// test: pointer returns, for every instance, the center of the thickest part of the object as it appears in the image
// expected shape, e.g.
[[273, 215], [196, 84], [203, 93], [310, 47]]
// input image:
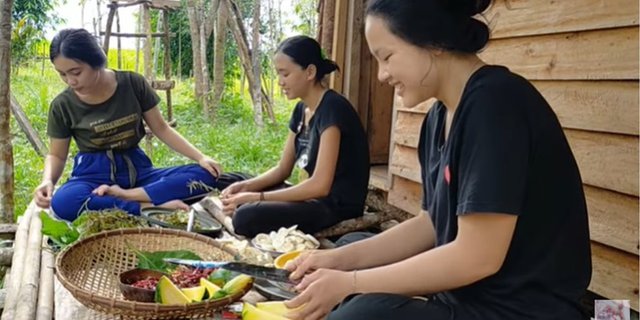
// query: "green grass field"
[[231, 138]]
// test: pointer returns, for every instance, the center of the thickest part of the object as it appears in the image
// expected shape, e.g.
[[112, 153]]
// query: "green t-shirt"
[[114, 124]]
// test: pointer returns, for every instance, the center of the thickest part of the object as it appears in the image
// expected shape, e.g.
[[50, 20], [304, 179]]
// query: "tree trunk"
[[328, 21], [119, 41], [206, 85], [6, 150], [156, 43], [194, 31], [255, 57], [239, 34], [218, 53], [138, 28]]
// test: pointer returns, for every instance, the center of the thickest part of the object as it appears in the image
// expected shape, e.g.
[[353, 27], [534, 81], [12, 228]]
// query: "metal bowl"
[[209, 226]]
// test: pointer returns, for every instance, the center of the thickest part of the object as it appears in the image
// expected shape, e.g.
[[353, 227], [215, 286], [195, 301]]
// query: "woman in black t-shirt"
[[504, 232], [326, 141]]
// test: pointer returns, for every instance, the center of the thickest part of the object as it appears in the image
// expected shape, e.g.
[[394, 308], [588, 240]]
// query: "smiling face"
[[294, 80], [408, 68], [77, 75]]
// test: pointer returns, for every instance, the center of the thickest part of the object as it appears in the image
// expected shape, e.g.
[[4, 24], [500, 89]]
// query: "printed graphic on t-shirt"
[[116, 133]]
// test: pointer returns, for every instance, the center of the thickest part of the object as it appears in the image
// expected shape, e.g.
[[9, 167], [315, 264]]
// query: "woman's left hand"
[[321, 291], [210, 165], [230, 203]]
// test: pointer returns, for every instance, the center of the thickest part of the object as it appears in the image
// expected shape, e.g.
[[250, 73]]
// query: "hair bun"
[[468, 7]]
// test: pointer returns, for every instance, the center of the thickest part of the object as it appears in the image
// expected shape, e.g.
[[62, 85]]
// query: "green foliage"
[[155, 260], [128, 59], [60, 232], [24, 38], [306, 12], [29, 19], [40, 12]]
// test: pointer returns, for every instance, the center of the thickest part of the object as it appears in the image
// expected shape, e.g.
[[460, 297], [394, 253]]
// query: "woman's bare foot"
[[110, 190], [174, 205]]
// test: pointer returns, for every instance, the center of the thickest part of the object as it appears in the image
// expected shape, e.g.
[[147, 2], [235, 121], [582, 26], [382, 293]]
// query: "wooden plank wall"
[[583, 56], [357, 78]]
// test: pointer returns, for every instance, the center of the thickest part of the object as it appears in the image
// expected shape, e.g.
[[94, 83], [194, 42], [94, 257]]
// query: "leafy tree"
[[39, 13], [29, 19], [306, 10]]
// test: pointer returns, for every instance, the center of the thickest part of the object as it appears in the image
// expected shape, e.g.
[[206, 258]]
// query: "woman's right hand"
[[312, 260], [236, 187], [43, 194]]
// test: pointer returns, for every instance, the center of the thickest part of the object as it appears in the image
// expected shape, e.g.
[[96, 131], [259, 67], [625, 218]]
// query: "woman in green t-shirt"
[[103, 110]]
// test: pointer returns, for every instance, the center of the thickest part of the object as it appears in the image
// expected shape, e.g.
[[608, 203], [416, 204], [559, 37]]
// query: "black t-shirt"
[[113, 124], [349, 188], [506, 153]]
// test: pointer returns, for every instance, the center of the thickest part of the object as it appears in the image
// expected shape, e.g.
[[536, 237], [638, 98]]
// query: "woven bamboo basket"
[[89, 269]]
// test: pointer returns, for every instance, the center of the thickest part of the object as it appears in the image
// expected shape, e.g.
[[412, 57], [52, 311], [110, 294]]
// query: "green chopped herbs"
[[63, 233]]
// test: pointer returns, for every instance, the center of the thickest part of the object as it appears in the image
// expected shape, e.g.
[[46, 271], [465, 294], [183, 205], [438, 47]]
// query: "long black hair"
[[305, 51], [78, 44], [443, 24]]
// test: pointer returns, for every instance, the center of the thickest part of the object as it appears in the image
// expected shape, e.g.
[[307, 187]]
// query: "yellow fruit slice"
[[169, 293], [275, 307], [210, 286], [282, 259], [249, 312], [195, 294], [237, 284]]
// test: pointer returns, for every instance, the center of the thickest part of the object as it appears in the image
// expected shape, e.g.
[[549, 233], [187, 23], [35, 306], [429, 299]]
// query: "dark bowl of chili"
[[139, 284]]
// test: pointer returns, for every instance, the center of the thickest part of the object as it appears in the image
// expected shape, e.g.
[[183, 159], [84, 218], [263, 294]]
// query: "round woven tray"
[[89, 269]]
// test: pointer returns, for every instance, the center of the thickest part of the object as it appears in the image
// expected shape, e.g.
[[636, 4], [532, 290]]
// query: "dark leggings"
[[311, 216], [384, 306]]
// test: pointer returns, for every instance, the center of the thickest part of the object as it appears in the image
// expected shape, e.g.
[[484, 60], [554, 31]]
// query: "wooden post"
[[113, 6], [352, 56], [167, 60], [6, 150], [119, 41], [328, 23], [156, 42], [339, 43], [138, 28], [146, 19]]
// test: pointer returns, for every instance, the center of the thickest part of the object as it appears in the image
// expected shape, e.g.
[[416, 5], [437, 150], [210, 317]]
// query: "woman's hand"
[[312, 260], [229, 204], [321, 291], [43, 194], [210, 165], [236, 187]]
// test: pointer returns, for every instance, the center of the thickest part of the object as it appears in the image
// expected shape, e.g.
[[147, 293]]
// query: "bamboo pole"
[[17, 264], [28, 296], [45, 294]]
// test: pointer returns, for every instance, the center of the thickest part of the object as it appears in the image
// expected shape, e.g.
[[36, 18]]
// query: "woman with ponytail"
[[326, 141], [503, 233]]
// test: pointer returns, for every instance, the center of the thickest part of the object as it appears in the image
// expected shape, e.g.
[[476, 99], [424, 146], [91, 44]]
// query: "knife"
[[253, 270]]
